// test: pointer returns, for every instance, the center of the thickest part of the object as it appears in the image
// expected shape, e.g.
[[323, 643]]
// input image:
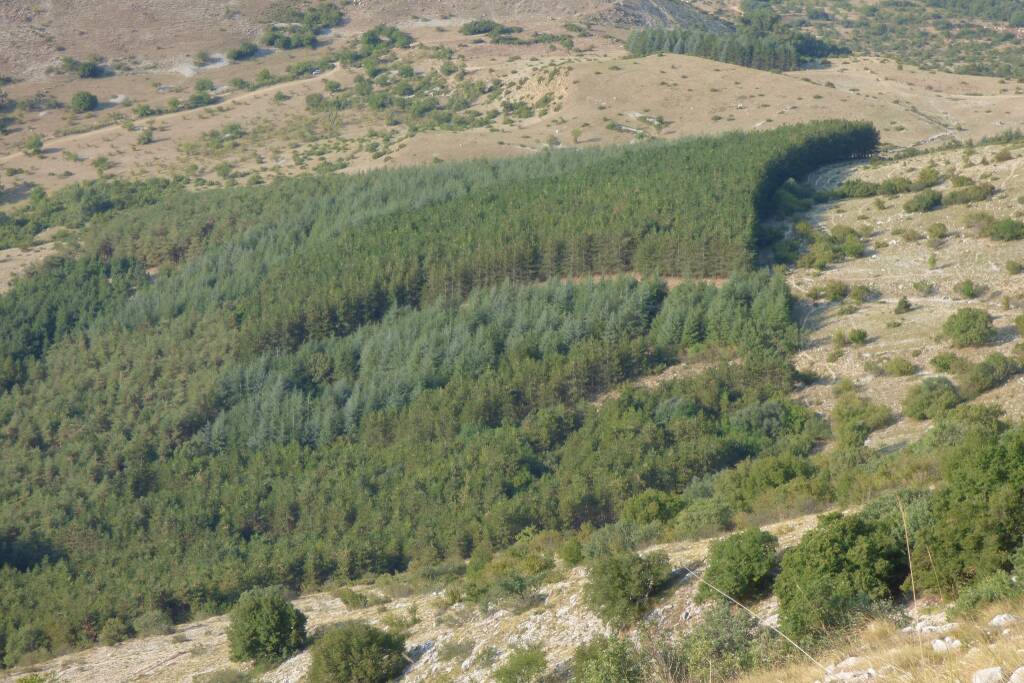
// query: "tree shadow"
[[16, 193], [23, 551]]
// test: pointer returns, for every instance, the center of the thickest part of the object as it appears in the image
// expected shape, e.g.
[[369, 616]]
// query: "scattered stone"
[[944, 645], [851, 676], [935, 623], [991, 675], [1002, 620]]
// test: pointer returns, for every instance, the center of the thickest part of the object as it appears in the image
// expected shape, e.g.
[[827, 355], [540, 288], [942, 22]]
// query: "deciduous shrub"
[[152, 623], [622, 585], [525, 665], [741, 566], [995, 370], [968, 194], [246, 50], [926, 200], [838, 568], [986, 590], [83, 101], [930, 399], [968, 289], [265, 627], [651, 505], [702, 518], [855, 417], [606, 659], [972, 524], [114, 631], [727, 642], [969, 327], [355, 651], [1003, 230]]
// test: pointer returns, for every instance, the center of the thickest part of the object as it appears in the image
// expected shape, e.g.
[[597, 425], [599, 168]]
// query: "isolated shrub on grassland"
[[969, 327], [621, 586], [355, 651], [265, 626], [741, 566]]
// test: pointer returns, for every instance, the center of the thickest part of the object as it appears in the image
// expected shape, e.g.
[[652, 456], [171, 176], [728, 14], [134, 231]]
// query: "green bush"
[[83, 101], [352, 599], [949, 362], [933, 397], [114, 631], [995, 370], [992, 588], [152, 623], [902, 306], [606, 659], [858, 337], [838, 569], [246, 50], [651, 505], [265, 627], [356, 651], [898, 366], [726, 642], [969, 194], [1003, 230], [702, 518], [741, 566], [479, 27], [855, 418], [968, 289], [621, 586], [972, 526], [524, 665], [969, 327], [926, 200]]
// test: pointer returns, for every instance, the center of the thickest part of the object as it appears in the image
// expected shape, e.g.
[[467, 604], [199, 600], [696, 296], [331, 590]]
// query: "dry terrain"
[[894, 264], [555, 617]]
